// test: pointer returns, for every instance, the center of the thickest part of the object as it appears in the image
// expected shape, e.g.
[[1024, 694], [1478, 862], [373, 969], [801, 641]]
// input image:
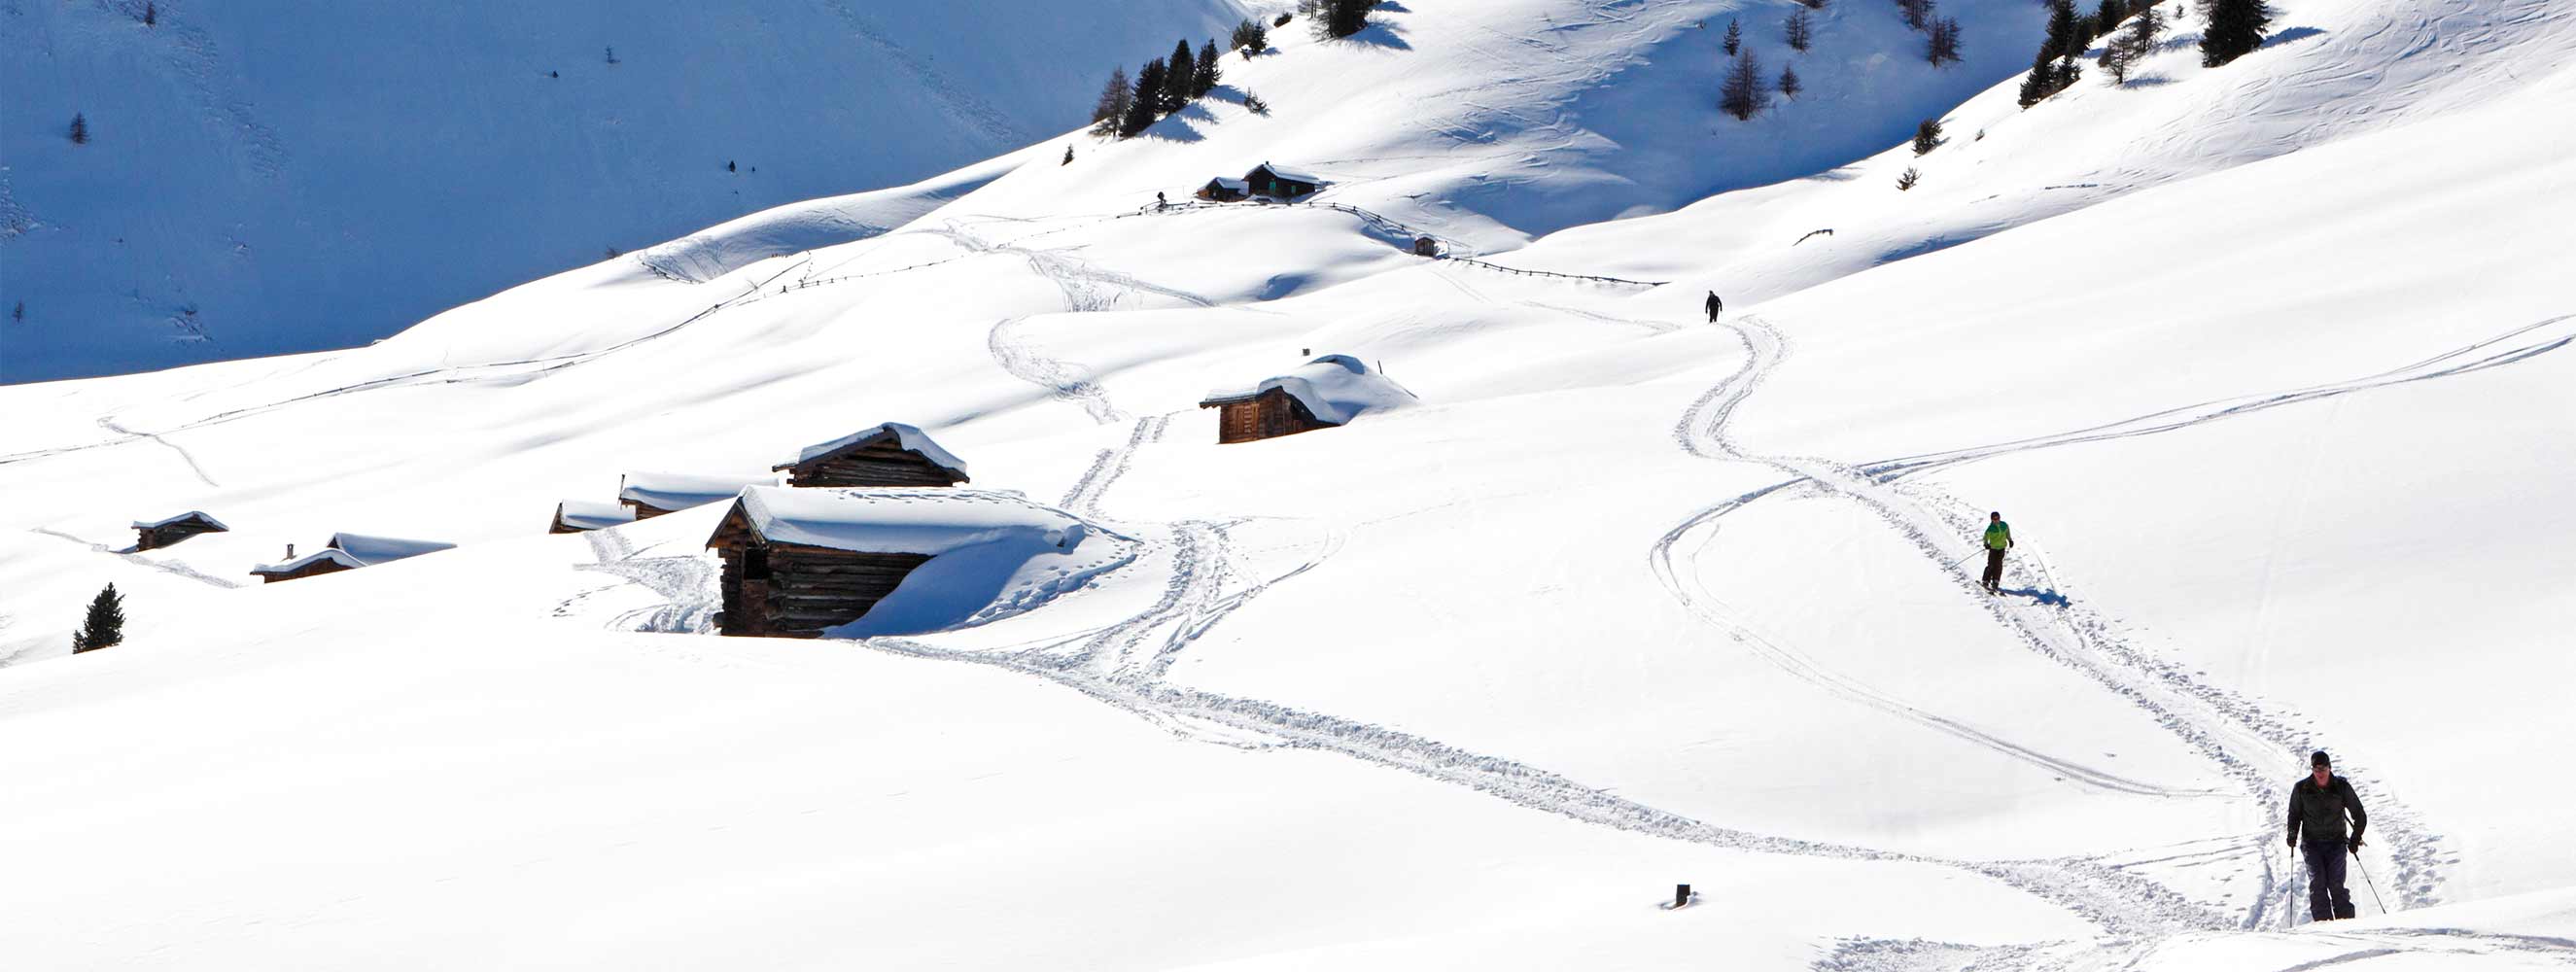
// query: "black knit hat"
[[2318, 758]]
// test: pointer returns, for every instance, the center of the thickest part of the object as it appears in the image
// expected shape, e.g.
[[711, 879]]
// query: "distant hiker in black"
[[1158, 201], [2317, 805], [1998, 540], [1714, 305]]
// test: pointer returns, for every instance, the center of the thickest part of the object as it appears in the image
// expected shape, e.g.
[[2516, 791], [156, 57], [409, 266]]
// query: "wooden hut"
[[892, 454], [157, 534], [1278, 183], [800, 561], [576, 516], [1222, 189], [346, 551], [1323, 393], [651, 494], [1425, 246]]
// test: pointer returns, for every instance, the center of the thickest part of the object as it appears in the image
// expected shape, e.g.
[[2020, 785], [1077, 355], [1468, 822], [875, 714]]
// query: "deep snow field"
[[2268, 365]]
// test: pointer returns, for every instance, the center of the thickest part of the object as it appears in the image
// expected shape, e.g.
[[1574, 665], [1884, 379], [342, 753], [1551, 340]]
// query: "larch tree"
[[1110, 110], [1745, 93], [1799, 30], [1789, 83]]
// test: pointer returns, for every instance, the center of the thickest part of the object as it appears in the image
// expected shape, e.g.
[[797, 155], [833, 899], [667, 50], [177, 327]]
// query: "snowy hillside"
[[2268, 365], [266, 179]]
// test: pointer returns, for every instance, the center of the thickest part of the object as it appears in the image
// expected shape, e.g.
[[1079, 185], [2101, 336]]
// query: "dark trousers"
[[2327, 897], [1994, 568]]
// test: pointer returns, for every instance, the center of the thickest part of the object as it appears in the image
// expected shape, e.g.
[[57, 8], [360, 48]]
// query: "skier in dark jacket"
[[2317, 806], [1713, 305]]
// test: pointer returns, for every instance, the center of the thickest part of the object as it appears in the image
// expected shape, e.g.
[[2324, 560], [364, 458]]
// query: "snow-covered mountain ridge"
[[2268, 364], [262, 179]]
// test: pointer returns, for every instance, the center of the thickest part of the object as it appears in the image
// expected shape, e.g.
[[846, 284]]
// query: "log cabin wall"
[[314, 569], [806, 589], [872, 465], [1269, 415], [167, 534], [642, 512]]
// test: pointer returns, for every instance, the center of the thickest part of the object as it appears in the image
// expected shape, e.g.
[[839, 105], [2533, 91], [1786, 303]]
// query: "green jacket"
[[1998, 535]]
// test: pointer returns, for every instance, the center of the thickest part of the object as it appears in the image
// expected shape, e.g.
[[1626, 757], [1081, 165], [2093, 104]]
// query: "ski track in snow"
[[687, 583], [129, 556], [2251, 745], [1086, 290]]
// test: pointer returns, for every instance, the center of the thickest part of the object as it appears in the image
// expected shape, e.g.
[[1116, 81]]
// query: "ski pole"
[[2368, 883]]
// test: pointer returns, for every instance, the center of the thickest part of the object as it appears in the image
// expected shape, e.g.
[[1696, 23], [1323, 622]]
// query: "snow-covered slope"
[[1624, 600], [263, 179]]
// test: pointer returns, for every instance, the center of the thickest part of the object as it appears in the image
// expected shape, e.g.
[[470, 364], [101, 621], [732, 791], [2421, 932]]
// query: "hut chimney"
[[290, 551], [1305, 352]]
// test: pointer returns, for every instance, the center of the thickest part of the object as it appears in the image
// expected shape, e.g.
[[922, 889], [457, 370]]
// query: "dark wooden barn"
[[1265, 414], [346, 551], [1277, 183], [1222, 189], [1320, 394], [156, 534], [892, 454], [651, 494], [799, 562], [577, 516]]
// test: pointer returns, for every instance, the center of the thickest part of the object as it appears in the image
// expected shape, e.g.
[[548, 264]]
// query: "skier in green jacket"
[[1998, 540]]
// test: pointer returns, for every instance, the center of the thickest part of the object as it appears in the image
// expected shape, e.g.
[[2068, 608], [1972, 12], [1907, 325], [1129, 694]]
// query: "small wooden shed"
[[576, 516], [156, 534], [651, 494], [1265, 414], [1278, 183], [1323, 393], [800, 561], [1222, 189], [1425, 246], [347, 551], [891, 454]]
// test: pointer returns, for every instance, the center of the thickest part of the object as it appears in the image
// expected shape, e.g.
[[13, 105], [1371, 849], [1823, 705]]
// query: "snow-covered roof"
[[678, 491], [1297, 175], [358, 550], [913, 520], [190, 515], [592, 514], [1335, 387], [906, 437], [1237, 185]]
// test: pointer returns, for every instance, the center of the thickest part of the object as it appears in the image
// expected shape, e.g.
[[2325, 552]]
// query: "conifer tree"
[[2042, 79], [1734, 38], [104, 627], [1111, 110], [1918, 13], [2235, 30], [1927, 136], [1799, 30], [1068, 156], [18, 314], [1789, 83], [1943, 46], [1342, 18], [1208, 74], [2062, 31], [1744, 94], [1906, 180], [2107, 17], [2132, 45], [80, 129], [1141, 104], [1182, 68], [1250, 37], [151, 14]]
